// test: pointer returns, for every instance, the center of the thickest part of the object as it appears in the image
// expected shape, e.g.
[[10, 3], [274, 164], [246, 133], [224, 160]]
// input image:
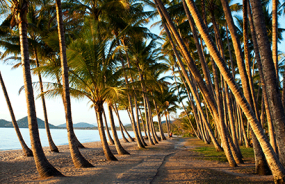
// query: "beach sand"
[[171, 161]]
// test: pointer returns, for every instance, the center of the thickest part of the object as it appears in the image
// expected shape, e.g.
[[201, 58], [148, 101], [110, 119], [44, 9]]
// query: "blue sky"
[[80, 108]]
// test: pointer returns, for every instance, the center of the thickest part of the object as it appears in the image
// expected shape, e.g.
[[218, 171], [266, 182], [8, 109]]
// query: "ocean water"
[[9, 139]]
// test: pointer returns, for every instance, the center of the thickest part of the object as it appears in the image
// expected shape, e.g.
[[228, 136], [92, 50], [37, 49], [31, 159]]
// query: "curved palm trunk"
[[198, 78], [275, 37], [260, 162], [44, 168], [138, 120], [134, 126], [275, 166], [119, 147], [183, 105], [27, 151], [107, 152], [121, 126], [151, 121], [204, 66], [264, 94], [159, 121], [217, 146], [150, 138], [77, 158], [76, 141], [50, 141], [145, 130], [111, 141], [274, 98]]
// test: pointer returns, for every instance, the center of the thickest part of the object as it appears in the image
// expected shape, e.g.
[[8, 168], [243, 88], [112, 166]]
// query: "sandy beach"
[[171, 161]]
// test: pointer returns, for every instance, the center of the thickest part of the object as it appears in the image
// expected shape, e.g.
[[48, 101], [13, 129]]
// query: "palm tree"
[[275, 166], [19, 11], [77, 158], [119, 147], [26, 149], [92, 74], [274, 96]]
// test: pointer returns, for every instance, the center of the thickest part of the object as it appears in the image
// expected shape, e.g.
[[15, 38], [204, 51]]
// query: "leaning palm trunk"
[[275, 166], [27, 151], [134, 126], [217, 146], [111, 141], [144, 126], [77, 158], [151, 121], [76, 141], [275, 37], [264, 94], [50, 141], [121, 126], [44, 168], [138, 120], [260, 162], [159, 121], [150, 138], [184, 106], [274, 98], [204, 66], [106, 149], [198, 78], [119, 147]]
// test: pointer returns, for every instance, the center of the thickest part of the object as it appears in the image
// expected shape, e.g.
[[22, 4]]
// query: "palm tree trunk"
[[107, 152], [205, 68], [260, 165], [44, 168], [138, 120], [52, 146], [134, 126], [111, 141], [119, 147], [76, 141], [77, 158], [189, 83], [264, 94], [150, 138], [272, 90], [145, 131], [159, 121], [151, 121], [275, 37], [275, 166], [121, 126], [27, 151]]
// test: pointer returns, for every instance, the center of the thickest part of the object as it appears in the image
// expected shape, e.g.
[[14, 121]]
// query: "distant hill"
[[4, 123], [83, 125], [79, 125], [23, 123]]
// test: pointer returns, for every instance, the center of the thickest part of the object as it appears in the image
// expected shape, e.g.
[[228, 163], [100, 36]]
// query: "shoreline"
[[170, 161]]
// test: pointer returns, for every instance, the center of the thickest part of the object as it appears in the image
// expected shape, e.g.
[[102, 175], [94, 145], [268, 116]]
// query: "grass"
[[208, 151]]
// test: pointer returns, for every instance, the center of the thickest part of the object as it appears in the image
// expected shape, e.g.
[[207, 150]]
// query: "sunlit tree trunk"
[[264, 94], [106, 149], [77, 158], [27, 151], [119, 147], [273, 94], [50, 141], [275, 166], [111, 141], [43, 166], [120, 122]]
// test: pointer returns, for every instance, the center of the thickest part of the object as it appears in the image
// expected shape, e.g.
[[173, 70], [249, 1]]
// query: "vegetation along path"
[[177, 160]]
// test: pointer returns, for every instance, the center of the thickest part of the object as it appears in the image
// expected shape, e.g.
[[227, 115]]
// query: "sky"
[[81, 111]]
